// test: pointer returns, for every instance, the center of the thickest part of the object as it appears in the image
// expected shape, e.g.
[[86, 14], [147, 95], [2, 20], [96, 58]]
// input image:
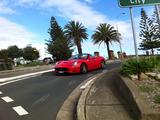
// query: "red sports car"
[[80, 63]]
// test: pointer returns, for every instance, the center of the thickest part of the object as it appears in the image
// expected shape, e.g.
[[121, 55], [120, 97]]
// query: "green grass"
[[147, 89]]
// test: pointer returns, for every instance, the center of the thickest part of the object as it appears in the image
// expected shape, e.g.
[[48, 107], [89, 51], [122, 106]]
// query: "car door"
[[91, 62]]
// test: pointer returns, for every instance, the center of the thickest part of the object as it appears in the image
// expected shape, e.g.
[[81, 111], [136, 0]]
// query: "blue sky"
[[24, 22]]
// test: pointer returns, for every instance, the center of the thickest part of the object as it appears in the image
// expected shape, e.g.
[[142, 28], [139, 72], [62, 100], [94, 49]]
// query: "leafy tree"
[[76, 33], [58, 45], [147, 33], [105, 33], [30, 53], [14, 52], [4, 54]]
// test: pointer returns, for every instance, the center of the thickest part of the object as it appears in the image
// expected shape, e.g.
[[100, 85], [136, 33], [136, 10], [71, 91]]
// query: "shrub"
[[157, 99], [34, 63], [143, 65]]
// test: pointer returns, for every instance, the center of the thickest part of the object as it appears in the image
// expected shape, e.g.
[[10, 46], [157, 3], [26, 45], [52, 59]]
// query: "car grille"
[[61, 69]]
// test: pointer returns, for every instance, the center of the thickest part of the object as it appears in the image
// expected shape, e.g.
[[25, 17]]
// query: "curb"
[[82, 100], [139, 105], [68, 109]]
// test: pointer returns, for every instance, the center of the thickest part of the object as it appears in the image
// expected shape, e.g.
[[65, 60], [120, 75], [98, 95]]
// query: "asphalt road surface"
[[40, 97]]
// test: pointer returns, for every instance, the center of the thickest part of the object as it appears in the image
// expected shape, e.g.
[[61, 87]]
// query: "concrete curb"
[[68, 109], [139, 105], [82, 101]]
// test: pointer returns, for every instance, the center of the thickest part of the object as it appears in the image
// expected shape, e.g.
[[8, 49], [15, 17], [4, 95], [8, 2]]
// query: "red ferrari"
[[81, 63]]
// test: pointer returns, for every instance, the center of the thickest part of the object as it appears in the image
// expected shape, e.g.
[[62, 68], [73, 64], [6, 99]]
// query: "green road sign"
[[130, 3]]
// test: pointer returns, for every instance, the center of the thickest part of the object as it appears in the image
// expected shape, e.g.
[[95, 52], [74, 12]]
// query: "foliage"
[[132, 66], [58, 45], [4, 54], [105, 33], [147, 33], [156, 24], [76, 33], [30, 53], [157, 99], [14, 52]]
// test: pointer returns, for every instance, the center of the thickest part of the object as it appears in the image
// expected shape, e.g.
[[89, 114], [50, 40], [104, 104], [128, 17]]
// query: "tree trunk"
[[107, 44], [79, 47], [139, 76], [152, 51]]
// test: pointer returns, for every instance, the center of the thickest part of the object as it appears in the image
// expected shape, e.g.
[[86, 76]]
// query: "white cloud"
[[4, 9], [83, 12], [15, 34]]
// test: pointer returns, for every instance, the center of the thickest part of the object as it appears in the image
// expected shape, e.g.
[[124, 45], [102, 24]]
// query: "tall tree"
[[157, 28], [76, 33], [30, 53], [58, 45], [105, 33], [147, 33]]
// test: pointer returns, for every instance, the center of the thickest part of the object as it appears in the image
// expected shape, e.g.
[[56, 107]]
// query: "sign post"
[[134, 33], [130, 4]]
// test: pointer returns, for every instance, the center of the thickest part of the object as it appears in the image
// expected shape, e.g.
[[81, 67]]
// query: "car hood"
[[66, 62]]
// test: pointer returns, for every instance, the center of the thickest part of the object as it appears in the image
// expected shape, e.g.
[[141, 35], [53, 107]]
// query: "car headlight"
[[75, 63], [57, 63]]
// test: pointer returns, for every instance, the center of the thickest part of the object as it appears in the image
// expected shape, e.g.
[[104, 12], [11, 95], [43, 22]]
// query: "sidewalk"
[[103, 102], [24, 70]]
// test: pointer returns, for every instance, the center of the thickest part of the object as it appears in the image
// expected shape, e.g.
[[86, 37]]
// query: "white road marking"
[[22, 78], [7, 99], [85, 85], [16, 80], [20, 110], [1, 92], [26, 75]]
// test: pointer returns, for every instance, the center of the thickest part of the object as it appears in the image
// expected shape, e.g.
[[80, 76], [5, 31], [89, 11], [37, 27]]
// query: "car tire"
[[84, 69], [102, 64]]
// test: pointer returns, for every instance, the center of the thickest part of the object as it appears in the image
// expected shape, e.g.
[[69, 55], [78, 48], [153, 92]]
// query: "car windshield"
[[79, 56]]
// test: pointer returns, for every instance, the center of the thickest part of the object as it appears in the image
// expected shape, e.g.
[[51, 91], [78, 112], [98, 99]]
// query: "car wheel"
[[102, 64], [83, 69]]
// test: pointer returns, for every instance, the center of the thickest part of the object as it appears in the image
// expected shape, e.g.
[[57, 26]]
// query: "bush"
[[157, 99], [34, 63], [143, 65]]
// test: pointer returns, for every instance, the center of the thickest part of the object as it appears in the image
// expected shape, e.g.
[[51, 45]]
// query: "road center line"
[[20, 110], [1, 92], [7, 99]]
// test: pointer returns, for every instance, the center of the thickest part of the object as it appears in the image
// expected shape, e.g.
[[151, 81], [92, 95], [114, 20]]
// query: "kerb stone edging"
[[82, 100], [68, 109], [138, 103]]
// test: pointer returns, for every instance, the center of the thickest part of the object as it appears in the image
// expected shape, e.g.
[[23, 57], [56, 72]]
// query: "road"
[[40, 97]]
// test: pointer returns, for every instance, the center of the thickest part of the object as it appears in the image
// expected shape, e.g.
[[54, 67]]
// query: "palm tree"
[[76, 33], [107, 34]]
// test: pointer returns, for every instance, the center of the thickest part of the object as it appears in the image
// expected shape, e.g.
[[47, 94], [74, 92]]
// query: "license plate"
[[60, 71]]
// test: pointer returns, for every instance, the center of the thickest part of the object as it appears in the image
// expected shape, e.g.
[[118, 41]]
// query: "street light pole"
[[134, 34], [120, 45]]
